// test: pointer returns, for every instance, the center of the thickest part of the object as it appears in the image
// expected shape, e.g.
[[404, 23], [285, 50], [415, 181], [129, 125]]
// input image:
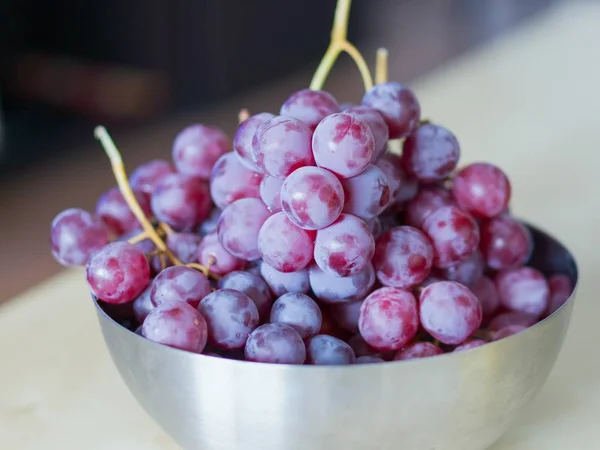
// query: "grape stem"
[[338, 44], [138, 238], [381, 66], [243, 115]]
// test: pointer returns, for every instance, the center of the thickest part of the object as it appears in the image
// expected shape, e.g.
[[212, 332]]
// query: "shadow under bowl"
[[462, 401]]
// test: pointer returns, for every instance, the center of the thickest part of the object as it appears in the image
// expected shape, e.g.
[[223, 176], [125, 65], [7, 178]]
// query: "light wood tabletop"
[[529, 102]]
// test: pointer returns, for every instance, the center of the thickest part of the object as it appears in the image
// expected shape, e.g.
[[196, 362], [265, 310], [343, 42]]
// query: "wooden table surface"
[[529, 103]]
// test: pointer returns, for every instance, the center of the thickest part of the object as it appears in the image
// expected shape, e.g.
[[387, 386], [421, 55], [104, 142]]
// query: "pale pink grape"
[[253, 286], [211, 252], [393, 176], [429, 199], [282, 145], [449, 312], [283, 245], [454, 235], [281, 283], [343, 144], [179, 284], [298, 311], [197, 148], [184, 246], [230, 180], [505, 243], [403, 257], [367, 194], [328, 350], [312, 198], [310, 106], [388, 319], [430, 154], [397, 104], [344, 248], [242, 141], [481, 189], [376, 123], [332, 289], [275, 343], [270, 192], [231, 317], [417, 350], [524, 289], [178, 325], [239, 226], [561, 289]]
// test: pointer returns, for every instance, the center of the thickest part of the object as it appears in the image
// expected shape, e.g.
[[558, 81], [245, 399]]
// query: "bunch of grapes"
[[311, 242]]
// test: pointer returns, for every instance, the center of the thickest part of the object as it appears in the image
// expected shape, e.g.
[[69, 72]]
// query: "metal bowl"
[[462, 401]]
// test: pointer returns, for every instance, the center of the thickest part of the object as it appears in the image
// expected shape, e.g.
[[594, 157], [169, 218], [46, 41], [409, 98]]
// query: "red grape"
[[148, 175], [505, 243], [328, 350], [281, 283], [481, 189], [485, 290], [142, 305], [473, 343], [75, 235], [282, 145], [312, 198], [344, 248], [507, 331], [310, 106], [524, 289], [397, 104], [239, 226], [367, 194], [404, 187], [197, 148], [242, 142], [346, 315], [275, 343], [403, 257], [184, 246], [270, 192], [230, 180], [343, 144], [430, 153], [179, 284], [181, 201], [368, 359], [561, 289], [454, 235], [298, 311], [178, 325], [211, 250], [115, 213], [466, 272], [231, 316], [209, 225], [429, 199], [417, 350], [332, 289], [147, 247], [449, 312], [388, 318], [118, 272], [283, 245], [393, 176], [253, 286], [376, 123], [511, 318]]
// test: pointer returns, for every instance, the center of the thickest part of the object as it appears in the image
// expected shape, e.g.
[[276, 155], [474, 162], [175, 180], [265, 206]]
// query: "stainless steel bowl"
[[457, 401]]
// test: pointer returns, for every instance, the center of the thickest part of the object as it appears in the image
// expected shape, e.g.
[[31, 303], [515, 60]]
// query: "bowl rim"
[[471, 351]]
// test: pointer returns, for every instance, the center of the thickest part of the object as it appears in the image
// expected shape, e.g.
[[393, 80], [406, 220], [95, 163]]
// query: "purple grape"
[[176, 324], [275, 343], [148, 175], [184, 246], [346, 315], [466, 272], [281, 283], [212, 253], [343, 144], [197, 148], [285, 246], [393, 176], [179, 284], [75, 235], [253, 286], [270, 192], [142, 305], [367, 194], [298, 311], [368, 359], [310, 106], [210, 223], [230, 180], [328, 350], [118, 273], [376, 123], [242, 142], [114, 211], [231, 317], [282, 145], [332, 289], [239, 226]]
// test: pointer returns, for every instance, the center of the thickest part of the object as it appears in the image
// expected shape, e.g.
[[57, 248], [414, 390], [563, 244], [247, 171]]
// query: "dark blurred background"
[[147, 68]]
